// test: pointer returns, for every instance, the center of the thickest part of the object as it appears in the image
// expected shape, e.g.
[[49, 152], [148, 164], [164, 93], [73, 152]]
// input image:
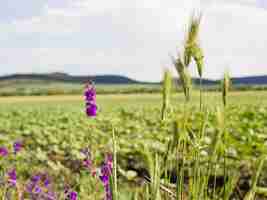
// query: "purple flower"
[[108, 192], [39, 186], [35, 179], [46, 182], [104, 179], [106, 172], [12, 177], [17, 146], [90, 101], [37, 190], [90, 94], [3, 151], [73, 195], [33, 183], [91, 110]]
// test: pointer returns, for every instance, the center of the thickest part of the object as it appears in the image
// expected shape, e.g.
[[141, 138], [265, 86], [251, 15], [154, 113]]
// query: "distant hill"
[[66, 78], [63, 84], [116, 79], [251, 80]]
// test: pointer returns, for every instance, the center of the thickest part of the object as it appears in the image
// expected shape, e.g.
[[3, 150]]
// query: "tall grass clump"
[[166, 92], [200, 172]]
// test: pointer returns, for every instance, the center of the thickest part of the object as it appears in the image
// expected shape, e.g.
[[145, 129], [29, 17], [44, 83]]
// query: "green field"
[[55, 128], [44, 88], [108, 102], [51, 88]]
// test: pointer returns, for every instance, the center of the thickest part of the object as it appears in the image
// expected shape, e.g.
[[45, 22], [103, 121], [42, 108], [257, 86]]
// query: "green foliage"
[[54, 131]]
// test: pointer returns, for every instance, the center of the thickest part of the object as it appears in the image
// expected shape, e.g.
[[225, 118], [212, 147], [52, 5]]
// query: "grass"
[[136, 100], [45, 122], [37, 88]]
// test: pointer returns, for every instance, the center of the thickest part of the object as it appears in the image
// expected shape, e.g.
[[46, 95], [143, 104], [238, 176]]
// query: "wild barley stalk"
[[154, 171], [225, 88], [225, 91], [114, 170], [184, 76], [215, 150], [181, 154], [198, 56], [198, 183], [166, 92], [180, 171], [191, 38], [156, 179], [193, 49]]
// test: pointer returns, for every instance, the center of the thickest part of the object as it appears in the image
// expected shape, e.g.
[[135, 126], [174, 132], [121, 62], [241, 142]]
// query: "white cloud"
[[234, 36], [134, 37]]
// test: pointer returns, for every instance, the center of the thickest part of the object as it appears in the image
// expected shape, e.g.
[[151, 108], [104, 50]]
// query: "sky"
[[131, 38]]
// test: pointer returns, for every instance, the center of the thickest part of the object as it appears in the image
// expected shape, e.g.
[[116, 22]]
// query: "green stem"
[[115, 192], [200, 95]]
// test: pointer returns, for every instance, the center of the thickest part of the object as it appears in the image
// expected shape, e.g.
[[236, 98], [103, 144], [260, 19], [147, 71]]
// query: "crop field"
[[54, 130]]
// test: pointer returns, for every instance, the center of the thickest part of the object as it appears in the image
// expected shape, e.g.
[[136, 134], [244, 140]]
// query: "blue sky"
[[133, 38]]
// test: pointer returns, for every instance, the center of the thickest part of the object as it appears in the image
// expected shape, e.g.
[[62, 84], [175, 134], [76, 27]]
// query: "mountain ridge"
[[119, 79]]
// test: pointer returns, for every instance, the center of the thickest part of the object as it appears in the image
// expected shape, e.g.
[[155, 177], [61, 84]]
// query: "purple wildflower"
[[90, 94], [104, 179], [12, 177], [35, 179], [33, 184], [37, 190], [90, 101], [46, 182], [73, 195], [39, 186], [3, 151], [17, 146], [106, 172], [91, 110]]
